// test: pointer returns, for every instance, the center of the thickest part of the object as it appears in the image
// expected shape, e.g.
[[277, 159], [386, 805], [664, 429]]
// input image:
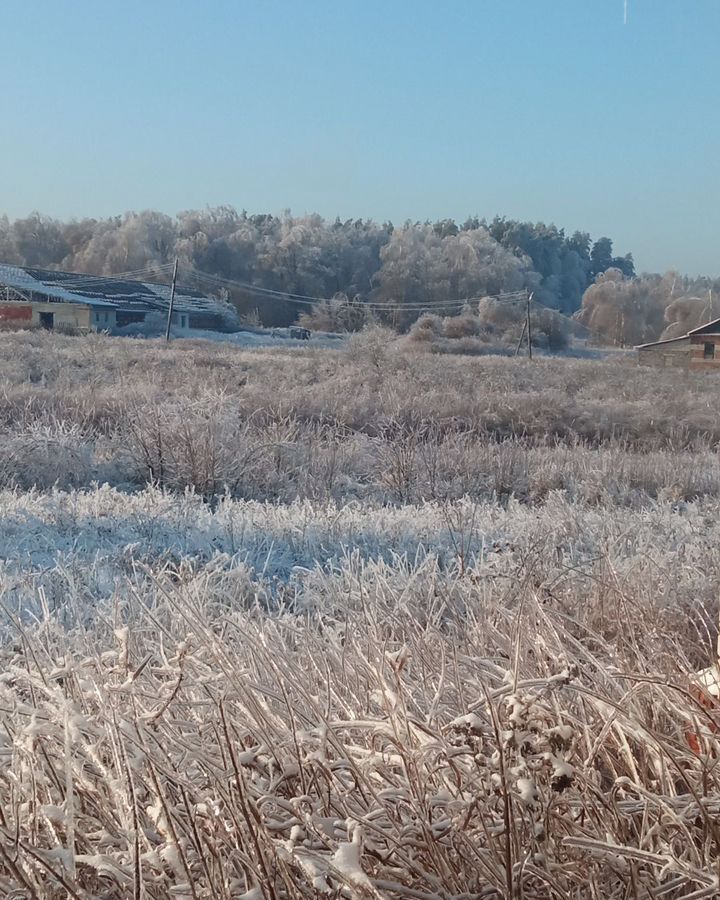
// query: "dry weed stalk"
[[382, 742]]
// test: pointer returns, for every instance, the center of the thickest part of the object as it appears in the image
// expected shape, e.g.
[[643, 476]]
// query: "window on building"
[[709, 351]]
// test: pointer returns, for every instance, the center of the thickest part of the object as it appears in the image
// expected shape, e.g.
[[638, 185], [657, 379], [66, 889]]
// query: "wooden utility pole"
[[172, 300], [522, 337], [529, 324]]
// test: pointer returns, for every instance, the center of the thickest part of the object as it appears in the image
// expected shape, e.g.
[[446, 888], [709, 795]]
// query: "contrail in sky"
[[625, 12]]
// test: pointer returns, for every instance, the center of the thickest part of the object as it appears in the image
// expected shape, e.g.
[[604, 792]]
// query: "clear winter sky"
[[549, 110]]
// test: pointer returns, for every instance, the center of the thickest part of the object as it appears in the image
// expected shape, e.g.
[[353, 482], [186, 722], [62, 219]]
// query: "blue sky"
[[550, 110]]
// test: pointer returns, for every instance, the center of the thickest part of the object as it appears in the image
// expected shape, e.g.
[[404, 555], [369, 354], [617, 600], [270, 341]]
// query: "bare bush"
[[370, 346], [336, 314]]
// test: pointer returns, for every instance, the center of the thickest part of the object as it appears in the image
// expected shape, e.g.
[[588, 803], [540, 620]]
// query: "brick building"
[[698, 349]]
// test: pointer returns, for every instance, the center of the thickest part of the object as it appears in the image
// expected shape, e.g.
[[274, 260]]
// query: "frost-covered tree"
[[133, 241], [685, 313], [9, 252], [626, 311], [421, 267], [39, 240], [562, 263]]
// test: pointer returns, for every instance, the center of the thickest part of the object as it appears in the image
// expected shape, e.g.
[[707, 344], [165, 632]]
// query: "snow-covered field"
[[382, 681], [101, 535], [270, 337]]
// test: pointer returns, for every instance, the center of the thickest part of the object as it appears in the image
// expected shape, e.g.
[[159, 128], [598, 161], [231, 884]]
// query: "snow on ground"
[[268, 337], [271, 337], [99, 537], [36, 528]]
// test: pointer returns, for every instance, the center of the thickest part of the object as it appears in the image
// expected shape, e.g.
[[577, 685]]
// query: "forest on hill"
[[399, 272]]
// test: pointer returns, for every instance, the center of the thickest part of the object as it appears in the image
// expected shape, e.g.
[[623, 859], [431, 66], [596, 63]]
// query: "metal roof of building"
[[713, 326], [104, 292], [682, 337]]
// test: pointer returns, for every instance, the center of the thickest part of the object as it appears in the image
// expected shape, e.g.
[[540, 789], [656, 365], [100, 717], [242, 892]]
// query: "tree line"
[[397, 271], [417, 263]]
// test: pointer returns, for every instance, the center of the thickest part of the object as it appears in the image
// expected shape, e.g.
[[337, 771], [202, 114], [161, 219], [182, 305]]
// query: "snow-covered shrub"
[[369, 347], [337, 314], [426, 328], [45, 455], [464, 325]]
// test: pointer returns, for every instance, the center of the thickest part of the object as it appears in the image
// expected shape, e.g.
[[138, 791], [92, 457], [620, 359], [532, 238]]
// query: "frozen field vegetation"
[[362, 623]]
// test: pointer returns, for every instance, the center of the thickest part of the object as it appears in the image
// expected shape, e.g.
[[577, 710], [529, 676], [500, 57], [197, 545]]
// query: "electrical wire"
[[145, 270], [218, 281], [375, 306], [94, 281], [305, 299]]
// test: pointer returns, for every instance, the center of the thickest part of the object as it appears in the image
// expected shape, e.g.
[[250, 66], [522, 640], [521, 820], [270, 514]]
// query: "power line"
[[429, 306], [97, 280], [90, 282], [218, 281], [305, 299], [377, 306], [145, 270]]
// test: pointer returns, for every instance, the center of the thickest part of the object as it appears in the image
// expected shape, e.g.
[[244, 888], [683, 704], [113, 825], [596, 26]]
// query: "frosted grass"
[[252, 701]]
